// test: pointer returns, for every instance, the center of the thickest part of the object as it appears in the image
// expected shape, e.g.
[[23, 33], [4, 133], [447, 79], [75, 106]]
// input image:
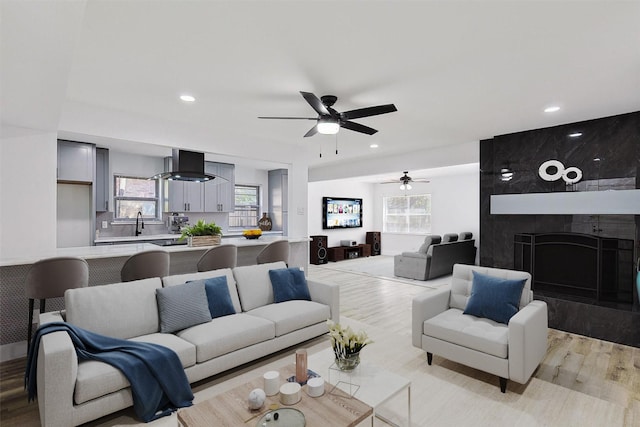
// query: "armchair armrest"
[[326, 293], [425, 306], [56, 379], [528, 331]]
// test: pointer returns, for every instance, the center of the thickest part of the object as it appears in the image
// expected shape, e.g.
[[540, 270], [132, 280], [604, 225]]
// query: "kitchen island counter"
[[128, 249], [105, 263]]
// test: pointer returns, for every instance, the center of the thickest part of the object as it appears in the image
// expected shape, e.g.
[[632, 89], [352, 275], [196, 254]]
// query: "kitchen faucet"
[[139, 218]]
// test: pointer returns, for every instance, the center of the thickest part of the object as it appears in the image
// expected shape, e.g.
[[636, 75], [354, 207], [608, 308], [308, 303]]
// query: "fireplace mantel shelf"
[[614, 202]]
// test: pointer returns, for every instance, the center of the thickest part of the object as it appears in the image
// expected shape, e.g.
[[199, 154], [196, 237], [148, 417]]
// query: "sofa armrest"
[[50, 316], [528, 331], [56, 379], [326, 293], [424, 307], [418, 255]]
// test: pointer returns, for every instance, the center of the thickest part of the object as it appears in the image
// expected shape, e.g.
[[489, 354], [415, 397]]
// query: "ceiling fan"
[[405, 181], [329, 121]]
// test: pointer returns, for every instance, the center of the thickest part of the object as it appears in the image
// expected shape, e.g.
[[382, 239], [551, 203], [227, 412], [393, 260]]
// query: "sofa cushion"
[[289, 284], [254, 284], [462, 279], [433, 239], [119, 310], [292, 315], [479, 334], [182, 306], [179, 279], [226, 334], [96, 379], [494, 298], [449, 237], [218, 297]]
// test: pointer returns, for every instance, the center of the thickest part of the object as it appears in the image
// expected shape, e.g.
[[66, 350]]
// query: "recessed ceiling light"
[[552, 109], [373, 146], [596, 159], [575, 134], [187, 98]]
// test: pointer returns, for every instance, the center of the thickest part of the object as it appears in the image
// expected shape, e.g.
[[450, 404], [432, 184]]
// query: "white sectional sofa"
[[71, 392]]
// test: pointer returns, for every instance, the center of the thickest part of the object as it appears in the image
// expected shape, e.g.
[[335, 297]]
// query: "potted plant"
[[202, 233]]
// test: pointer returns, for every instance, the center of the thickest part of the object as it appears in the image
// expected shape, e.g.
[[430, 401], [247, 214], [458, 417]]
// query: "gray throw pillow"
[[182, 306]]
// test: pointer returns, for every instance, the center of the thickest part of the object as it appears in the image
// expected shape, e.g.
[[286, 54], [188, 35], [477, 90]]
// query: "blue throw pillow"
[[218, 296], [289, 284], [494, 298]]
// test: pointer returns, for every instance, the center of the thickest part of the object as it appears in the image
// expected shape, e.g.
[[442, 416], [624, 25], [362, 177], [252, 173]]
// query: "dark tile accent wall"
[[616, 142]]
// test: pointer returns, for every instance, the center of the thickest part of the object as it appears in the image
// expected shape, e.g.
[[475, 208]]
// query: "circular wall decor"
[[570, 175], [543, 170], [572, 170]]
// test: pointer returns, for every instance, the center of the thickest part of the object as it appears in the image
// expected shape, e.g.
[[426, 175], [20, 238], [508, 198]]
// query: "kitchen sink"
[[169, 242]]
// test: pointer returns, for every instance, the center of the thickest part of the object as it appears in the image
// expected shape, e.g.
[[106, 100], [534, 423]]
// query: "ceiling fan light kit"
[[328, 126]]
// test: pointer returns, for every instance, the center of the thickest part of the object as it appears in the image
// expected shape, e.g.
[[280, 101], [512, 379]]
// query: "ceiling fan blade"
[[311, 131], [358, 127], [290, 118], [369, 111], [315, 103]]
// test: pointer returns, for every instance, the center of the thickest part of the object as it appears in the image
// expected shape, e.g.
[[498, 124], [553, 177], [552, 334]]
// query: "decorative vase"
[[265, 222], [348, 362]]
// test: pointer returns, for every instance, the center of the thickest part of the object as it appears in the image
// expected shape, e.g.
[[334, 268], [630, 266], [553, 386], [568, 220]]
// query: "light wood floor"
[[581, 382]]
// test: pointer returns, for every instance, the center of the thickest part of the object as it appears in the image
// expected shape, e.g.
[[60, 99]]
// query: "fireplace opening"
[[582, 267]]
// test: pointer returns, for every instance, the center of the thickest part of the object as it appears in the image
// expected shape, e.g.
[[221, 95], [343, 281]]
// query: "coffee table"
[[369, 383], [230, 408]]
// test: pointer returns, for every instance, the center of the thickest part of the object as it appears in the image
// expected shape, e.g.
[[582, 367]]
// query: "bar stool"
[[144, 265], [223, 256], [49, 278], [274, 251]]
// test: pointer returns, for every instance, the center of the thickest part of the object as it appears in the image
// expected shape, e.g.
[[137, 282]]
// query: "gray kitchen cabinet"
[[184, 196], [220, 196], [102, 180], [76, 162]]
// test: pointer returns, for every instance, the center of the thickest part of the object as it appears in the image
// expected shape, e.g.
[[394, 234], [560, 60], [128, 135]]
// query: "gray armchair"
[[510, 350]]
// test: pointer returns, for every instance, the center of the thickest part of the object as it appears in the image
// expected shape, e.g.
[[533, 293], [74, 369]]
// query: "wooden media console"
[[339, 253]]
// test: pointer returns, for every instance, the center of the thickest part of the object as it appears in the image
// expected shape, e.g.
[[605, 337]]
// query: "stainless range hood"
[[186, 166]]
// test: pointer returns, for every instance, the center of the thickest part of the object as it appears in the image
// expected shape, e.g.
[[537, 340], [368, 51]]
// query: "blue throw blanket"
[[158, 383]]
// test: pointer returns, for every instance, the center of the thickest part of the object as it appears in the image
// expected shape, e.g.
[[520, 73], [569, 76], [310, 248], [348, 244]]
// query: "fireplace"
[[584, 267]]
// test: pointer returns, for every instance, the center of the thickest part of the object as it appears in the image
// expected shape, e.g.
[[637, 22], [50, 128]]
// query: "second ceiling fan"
[[329, 121]]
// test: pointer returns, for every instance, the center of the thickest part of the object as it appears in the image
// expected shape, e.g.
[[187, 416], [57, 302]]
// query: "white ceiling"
[[458, 71]]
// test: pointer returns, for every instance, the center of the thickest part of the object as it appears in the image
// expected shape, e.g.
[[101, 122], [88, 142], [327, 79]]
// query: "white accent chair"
[[511, 351]]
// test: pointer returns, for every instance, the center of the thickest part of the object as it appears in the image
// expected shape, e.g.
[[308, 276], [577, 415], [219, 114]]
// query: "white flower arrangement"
[[344, 341]]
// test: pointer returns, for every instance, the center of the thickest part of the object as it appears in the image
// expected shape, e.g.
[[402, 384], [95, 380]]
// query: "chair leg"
[[429, 358], [503, 384], [30, 329], [42, 301]]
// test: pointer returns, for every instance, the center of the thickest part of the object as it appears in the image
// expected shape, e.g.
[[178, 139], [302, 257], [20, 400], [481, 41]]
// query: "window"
[[407, 214], [133, 195], [247, 207]]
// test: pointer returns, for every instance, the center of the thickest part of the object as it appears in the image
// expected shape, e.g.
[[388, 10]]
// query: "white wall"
[[341, 188], [27, 192], [455, 207]]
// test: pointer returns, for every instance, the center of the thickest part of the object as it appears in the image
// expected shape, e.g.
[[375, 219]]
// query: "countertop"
[[112, 251], [148, 237]]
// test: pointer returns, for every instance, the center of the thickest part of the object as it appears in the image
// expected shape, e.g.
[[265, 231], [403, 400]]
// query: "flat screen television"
[[341, 212]]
